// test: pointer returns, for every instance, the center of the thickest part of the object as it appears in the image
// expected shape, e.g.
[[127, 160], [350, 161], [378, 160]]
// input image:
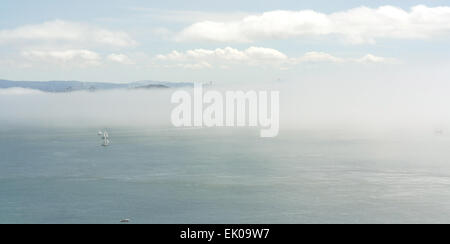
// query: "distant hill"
[[152, 86], [69, 86], [162, 83]]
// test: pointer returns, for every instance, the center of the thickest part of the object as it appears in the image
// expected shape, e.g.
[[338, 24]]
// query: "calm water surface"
[[222, 176]]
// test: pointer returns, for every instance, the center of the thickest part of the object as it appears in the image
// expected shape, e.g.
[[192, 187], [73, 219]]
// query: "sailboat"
[[106, 142], [105, 137]]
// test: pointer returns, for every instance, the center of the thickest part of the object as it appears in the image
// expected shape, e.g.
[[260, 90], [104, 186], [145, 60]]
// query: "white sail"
[[106, 142], [105, 137]]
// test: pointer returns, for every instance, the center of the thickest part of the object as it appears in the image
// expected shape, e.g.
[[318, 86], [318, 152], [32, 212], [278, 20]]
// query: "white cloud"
[[68, 32], [78, 57], [369, 58], [228, 55], [315, 57], [358, 25], [120, 58], [200, 65], [253, 56]]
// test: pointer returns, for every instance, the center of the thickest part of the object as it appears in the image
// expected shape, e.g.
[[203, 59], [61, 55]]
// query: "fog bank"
[[304, 105]]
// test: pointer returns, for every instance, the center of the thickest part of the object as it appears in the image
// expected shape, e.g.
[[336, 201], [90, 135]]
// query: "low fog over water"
[[103, 108], [317, 104]]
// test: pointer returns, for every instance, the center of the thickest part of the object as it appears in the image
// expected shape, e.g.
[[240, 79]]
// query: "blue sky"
[[121, 41]]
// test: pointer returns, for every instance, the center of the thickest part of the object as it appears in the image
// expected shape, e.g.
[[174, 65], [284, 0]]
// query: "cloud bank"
[[120, 58], [67, 32], [80, 57], [357, 25], [304, 104], [254, 56]]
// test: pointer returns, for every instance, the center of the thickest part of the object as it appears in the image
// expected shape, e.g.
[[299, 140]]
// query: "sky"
[[224, 41]]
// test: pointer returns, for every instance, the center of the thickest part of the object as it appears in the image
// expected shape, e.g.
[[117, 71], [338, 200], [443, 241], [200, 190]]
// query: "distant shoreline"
[[71, 86]]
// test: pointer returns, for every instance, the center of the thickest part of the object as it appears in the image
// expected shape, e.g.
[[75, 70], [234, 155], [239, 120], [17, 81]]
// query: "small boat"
[[105, 138], [106, 142], [125, 221]]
